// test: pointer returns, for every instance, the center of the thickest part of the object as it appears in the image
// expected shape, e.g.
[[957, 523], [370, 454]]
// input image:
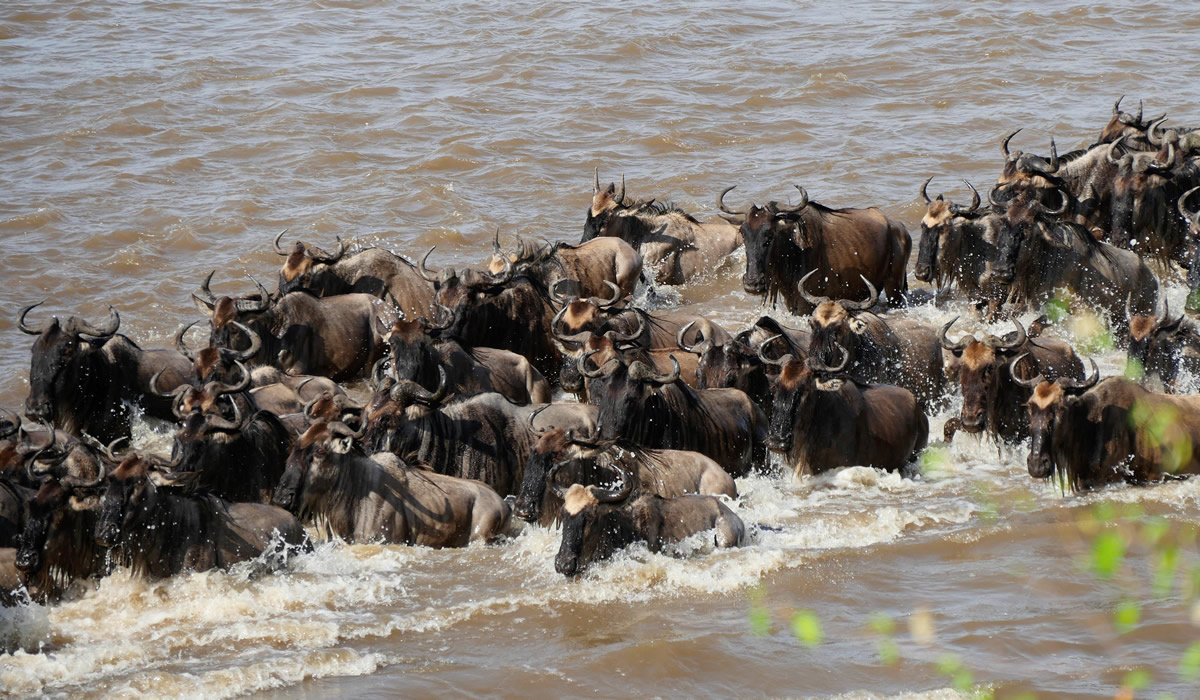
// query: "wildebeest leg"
[[487, 523]]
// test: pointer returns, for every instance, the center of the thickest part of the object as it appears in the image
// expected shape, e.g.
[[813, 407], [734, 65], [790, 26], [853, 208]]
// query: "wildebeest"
[[83, 377], [611, 345], [484, 437], [844, 246], [238, 454], [896, 351], [732, 364], [159, 531], [419, 351], [674, 246], [992, 401], [57, 546], [1095, 433], [582, 270], [1161, 346], [371, 271], [1039, 254], [333, 337], [1145, 192], [637, 403], [959, 246], [366, 499], [579, 460], [508, 311], [1083, 177], [822, 420], [596, 522], [1193, 233], [1134, 129]]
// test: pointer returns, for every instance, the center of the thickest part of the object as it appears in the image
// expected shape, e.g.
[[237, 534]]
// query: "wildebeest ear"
[[857, 325], [179, 479], [800, 235], [204, 307], [829, 384], [342, 445], [82, 503]]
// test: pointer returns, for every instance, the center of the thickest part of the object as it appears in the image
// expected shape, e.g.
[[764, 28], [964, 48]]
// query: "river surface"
[[143, 144]]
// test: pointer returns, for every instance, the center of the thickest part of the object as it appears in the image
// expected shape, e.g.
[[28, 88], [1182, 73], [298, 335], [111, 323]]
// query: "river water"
[[143, 144]]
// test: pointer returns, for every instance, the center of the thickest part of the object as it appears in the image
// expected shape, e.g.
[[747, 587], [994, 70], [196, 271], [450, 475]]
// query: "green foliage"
[[1126, 616], [1108, 551], [806, 627], [1189, 663]]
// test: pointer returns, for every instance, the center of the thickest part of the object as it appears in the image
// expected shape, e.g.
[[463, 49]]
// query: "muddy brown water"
[[143, 144]]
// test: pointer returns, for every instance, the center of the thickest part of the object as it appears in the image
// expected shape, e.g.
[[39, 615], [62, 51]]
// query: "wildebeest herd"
[[445, 426]]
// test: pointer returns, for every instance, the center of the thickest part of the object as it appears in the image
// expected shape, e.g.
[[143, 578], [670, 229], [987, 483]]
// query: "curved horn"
[[683, 345], [596, 180], [721, 202], [763, 356], [923, 186], [106, 331], [815, 301], [376, 372], [108, 449], [1194, 218], [328, 258], [182, 346], [204, 293], [574, 338], [255, 343], [337, 427], [218, 388], [278, 250], [251, 306], [616, 295], [592, 373], [237, 423], [1081, 384], [505, 275], [618, 337], [534, 414], [496, 242], [422, 394], [621, 192], [1027, 383], [1151, 135], [1004, 143], [871, 300], [649, 375], [1020, 340], [1064, 201], [816, 364], [559, 299], [587, 441], [958, 346], [1051, 165], [424, 270], [1153, 164], [1112, 147], [177, 391], [795, 207], [620, 493], [35, 330], [974, 197], [171, 463]]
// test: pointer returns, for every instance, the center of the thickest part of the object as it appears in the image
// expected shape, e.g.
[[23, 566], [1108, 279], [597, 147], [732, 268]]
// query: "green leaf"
[[1189, 663], [806, 626], [1137, 679], [883, 624], [889, 654], [760, 621], [1164, 571], [1108, 550], [1126, 616]]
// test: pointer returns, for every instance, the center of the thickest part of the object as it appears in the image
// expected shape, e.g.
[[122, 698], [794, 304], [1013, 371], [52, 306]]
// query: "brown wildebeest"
[[330, 481], [844, 247], [992, 401], [582, 270]]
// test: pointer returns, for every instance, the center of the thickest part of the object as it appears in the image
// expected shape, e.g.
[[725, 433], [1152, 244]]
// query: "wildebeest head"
[[769, 232], [466, 293], [600, 215], [1155, 345], [939, 215], [228, 315], [1047, 408], [315, 462], [45, 515], [836, 324], [553, 447], [585, 511], [130, 491], [302, 260], [983, 369], [215, 363], [1125, 124], [620, 390], [729, 365], [601, 347], [60, 363], [795, 384], [395, 405], [577, 315], [1025, 219]]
